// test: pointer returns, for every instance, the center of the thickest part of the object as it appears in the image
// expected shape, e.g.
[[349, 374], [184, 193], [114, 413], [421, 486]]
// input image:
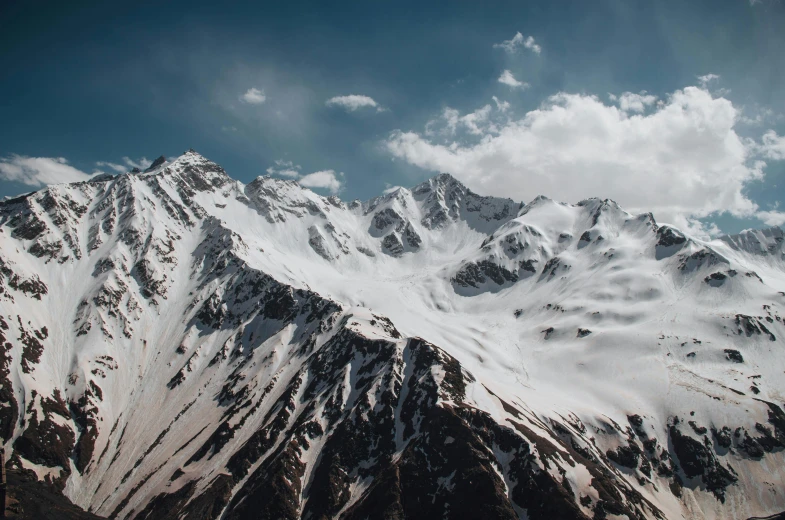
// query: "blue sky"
[[672, 107]]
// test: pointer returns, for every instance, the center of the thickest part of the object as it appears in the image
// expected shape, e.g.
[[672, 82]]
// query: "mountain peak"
[[763, 242], [156, 164], [444, 178]]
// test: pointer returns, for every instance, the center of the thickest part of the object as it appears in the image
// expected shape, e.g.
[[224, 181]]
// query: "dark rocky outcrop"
[[477, 274], [31, 499], [697, 460]]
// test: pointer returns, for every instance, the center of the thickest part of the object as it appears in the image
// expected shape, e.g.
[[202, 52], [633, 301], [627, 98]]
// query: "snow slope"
[[179, 345]]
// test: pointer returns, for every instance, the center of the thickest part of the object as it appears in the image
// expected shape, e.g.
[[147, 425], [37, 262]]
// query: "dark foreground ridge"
[[30, 499]]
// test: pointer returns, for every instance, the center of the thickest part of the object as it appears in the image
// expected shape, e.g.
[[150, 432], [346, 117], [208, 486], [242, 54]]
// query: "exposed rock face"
[[175, 344], [478, 274]]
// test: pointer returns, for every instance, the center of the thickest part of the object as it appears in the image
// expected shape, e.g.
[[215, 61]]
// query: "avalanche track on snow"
[[178, 345]]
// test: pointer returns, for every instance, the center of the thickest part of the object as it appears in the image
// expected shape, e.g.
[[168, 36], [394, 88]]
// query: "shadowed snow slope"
[[176, 344]]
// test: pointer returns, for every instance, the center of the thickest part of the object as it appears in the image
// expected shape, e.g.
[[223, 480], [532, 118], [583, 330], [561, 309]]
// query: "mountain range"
[[175, 344]]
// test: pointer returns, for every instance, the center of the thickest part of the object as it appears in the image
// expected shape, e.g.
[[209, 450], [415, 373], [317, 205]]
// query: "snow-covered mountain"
[[176, 344]]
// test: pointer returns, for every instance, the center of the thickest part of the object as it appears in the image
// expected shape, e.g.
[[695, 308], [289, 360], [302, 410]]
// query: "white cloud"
[[389, 188], [773, 146], [517, 42], [772, 218], [484, 120], [285, 169], [326, 179], [40, 171], [354, 102], [119, 168], [630, 102], [683, 160], [757, 115], [142, 164], [253, 96], [502, 106], [706, 80], [476, 121], [508, 79], [451, 117]]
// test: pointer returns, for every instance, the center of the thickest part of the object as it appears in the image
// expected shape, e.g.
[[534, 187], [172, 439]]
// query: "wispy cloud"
[[285, 169], [323, 179], [40, 171], [483, 121], [128, 163], [706, 79], [508, 79], [389, 188], [773, 146], [141, 164], [517, 42], [354, 102], [253, 96], [502, 106], [119, 168]]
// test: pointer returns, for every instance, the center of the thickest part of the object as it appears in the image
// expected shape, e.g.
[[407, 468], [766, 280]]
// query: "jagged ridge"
[[430, 352]]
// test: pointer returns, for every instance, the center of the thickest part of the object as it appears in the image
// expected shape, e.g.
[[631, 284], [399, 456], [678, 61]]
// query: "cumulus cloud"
[[326, 179], [508, 79], [683, 160], [285, 169], [40, 171], [630, 102], [353, 102], [253, 96], [519, 41]]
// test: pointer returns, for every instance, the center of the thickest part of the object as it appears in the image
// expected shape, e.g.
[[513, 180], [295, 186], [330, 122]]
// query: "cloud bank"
[[40, 171], [43, 171], [682, 159]]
